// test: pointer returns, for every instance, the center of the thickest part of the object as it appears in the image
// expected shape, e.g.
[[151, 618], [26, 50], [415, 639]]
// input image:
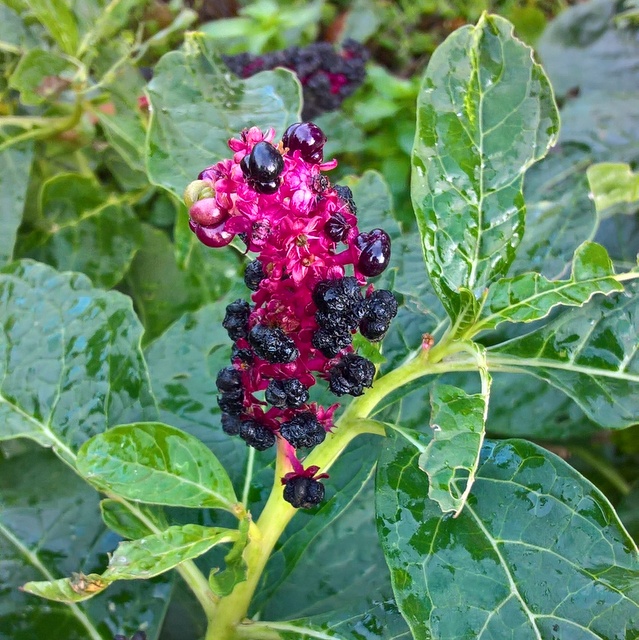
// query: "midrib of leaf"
[[35, 561], [514, 364], [509, 577], [283, 626]]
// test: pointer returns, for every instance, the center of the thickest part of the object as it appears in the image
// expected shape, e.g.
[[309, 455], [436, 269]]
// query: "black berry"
[[275, 394], [337, 228], [272, 344], [308, 139], [376, 251], [303, 493], [236, 319], [256, 435], [289, 393], [304, 430], [350, 375], [231, 424], [229, 379], [231, 402], [253, 275], [265, 163], [373, 330], [346, 196], [331, 341], [243, 355]]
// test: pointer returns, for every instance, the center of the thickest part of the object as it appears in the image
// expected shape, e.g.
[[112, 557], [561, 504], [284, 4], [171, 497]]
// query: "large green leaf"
[[590, 353], [198, 105], [485, 114], [183, 364], [49, 526], [158, 464], [15, 165], [531, 296], [58, 19], [83, 230], [537, 552], [70, 359], [136, 560]]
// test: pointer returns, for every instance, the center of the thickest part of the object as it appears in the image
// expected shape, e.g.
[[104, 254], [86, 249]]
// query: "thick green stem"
[[233, 609]]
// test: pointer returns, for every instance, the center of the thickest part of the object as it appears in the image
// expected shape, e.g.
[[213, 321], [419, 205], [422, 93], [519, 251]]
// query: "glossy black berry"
[[337, 228], [331, 341], [303, 493], [342, 295], [253, 275], [231, 402], [289, 393], [350, 375], [236, 319], [308, 139], [231, 424], [303, 430], [272, 344], [265, 163], [267, 188], [256, 435], [376, 251], [243, 355], [244, 165], [229, 379], [373, 330], [346, 196]]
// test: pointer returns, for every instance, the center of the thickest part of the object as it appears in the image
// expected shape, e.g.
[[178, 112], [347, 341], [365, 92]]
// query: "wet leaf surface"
[[537, 552]]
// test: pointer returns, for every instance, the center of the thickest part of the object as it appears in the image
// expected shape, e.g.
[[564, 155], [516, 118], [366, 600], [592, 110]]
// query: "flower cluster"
[[305, 308], [327, 76]]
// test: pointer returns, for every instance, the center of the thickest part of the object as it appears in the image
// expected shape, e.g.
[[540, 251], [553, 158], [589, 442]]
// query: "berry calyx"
[[308, 139]]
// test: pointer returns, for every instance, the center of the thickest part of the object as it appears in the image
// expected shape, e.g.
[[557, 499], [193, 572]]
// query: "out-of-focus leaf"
[[33, 73], [451, 458], [531, 296], [58, 19], [162, 291], [537, 552], [15, 166], [136, 560], [591, 353], [50, 526], [82, 230], [362, 20], [485, 114], [560, 214], [158, 464], [15, 35], [198, 105], [70, 359], [612, 183]]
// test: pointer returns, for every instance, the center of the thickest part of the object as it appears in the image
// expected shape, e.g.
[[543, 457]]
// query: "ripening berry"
[[256, 435], [308, 139], [337, 228], [303, 493], [272, 344], [376, 251]]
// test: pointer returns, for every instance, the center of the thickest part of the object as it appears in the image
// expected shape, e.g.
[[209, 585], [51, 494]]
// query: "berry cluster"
[[327, 76], [305, 308]]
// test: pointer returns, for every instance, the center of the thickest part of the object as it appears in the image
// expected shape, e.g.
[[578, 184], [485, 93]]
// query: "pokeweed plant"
[[483, 538]]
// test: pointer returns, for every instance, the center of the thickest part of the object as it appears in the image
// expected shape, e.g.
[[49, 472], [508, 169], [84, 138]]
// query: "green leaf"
[[15, 36], [590, 353], [58, 19], [531, 296], [537, 552], [452, 456], [70, 359], [612, 183], [83, 230], [119, 518], [49, 526], [485, 114], [136, 560], [236, 567], [15, 166], [183, 364], [157, 464], [32, 77], [198, 105]]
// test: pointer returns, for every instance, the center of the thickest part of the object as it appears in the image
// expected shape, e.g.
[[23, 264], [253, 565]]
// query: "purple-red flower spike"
[[307, 297]]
